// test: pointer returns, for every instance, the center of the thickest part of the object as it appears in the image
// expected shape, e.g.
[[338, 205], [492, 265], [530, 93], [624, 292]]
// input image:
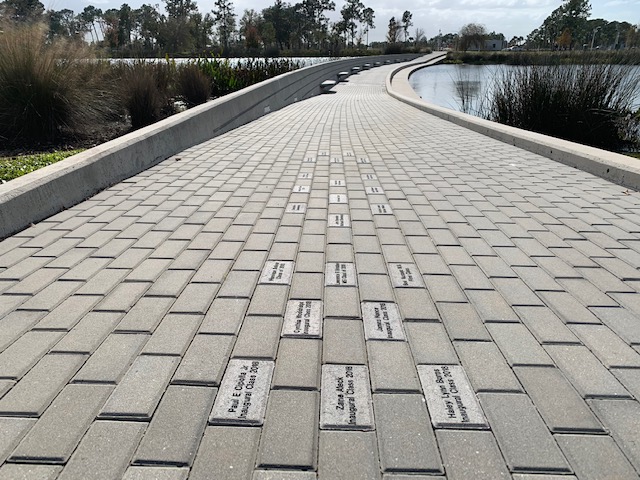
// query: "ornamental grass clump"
[[48, 89], [193, 85], [589, 103], [145, 90]]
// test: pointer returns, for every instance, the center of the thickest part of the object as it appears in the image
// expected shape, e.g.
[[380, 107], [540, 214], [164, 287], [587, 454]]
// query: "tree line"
[[181, 28], [568, 27]]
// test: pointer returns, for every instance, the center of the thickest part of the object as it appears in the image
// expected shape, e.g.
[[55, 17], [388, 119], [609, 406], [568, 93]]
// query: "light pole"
[[593, 37]]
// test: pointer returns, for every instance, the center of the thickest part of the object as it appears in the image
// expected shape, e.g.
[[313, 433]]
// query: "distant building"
[[494, 44]]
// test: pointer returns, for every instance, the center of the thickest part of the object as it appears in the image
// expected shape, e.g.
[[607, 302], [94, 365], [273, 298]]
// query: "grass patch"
[[14, 167]]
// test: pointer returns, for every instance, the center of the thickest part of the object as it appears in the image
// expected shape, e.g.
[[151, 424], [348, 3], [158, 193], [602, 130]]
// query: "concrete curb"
[[611, 166], [43, 193]]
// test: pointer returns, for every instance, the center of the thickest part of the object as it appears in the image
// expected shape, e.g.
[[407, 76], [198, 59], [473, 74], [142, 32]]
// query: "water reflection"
[[465, 88]]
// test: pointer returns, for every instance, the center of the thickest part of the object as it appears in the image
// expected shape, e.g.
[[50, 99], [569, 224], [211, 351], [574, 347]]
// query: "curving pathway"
[[347, 288]]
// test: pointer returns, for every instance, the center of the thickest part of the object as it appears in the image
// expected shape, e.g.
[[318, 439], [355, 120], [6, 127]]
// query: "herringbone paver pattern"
[[125, 320]]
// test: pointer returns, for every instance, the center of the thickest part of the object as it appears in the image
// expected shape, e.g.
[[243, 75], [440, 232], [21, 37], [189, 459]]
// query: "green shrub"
[[589, 104], [193, 85], [48, 90]]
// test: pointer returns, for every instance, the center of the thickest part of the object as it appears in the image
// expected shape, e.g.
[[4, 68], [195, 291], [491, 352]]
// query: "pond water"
[[463, 87]]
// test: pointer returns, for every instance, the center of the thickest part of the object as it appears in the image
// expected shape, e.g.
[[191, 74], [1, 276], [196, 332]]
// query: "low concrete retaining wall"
[[611, 166], [40, 194]]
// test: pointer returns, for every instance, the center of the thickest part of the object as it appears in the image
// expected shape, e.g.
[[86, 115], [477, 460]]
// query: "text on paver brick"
[[336, 183], [338, 198], [277, 271], [242, 398], [346, 398], [301, 189], [339, 220], [303, 318], [381, 209], [382, 321], [450, 398], [339, 273], [405, 275], [296, 208]]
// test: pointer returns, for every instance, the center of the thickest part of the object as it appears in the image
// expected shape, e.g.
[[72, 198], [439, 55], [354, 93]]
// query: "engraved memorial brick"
[[303, 318], [376, 190], [405, 275], [369, 176], [309, 159], [346, 398], [363, 160], [339, 220], [382, 321], [306, 175], [338, 198], [450, 398], [242, 398], [347, 153], [381, 209], [296, 208], [277, 271], [323, 153], [339, 273], [301, 189], [336, 160], [337, 183]]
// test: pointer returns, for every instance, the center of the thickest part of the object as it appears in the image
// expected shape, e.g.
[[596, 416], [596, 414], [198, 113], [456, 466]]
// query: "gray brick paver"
[[524, 439], [524, 262], [56, 434]]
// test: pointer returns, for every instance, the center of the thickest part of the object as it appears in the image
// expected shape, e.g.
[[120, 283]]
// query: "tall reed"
[[48, 90], [590, 104]]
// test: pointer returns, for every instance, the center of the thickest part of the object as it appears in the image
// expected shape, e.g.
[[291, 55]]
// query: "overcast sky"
[[511, 17]]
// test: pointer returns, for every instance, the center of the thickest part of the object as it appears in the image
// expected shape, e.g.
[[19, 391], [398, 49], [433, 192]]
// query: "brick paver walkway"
[[277, 303]]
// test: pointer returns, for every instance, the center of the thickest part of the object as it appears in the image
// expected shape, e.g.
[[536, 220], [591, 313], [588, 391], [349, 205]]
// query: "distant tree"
[[279, 15], [472, 35], [225, 21], [407, 16], [148, 23], [572, 15], [420, 37], [89, 17], [63, 23], [21, 10], [393, 32], [351, 13], [632, 36], [125, 25], [368, 16], [315, 21], [201, 28], [516, 41]]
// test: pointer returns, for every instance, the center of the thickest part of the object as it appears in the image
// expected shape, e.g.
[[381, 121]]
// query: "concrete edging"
[[45, 192], [611, 166]]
